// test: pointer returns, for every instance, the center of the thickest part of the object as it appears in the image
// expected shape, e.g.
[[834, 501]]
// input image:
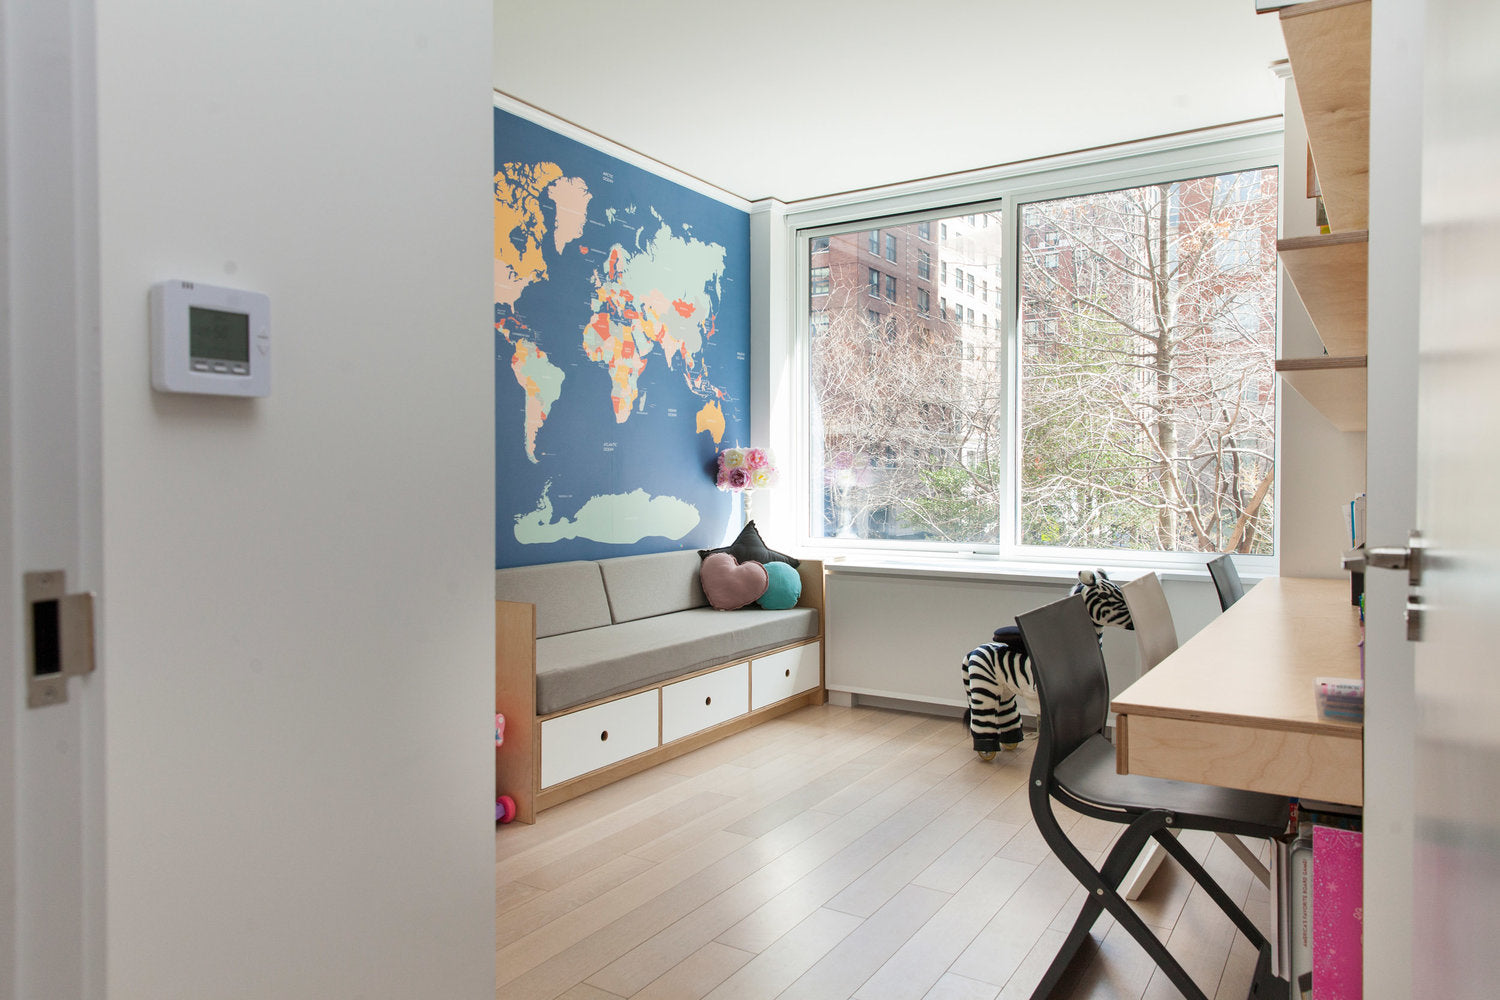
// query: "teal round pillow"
[[783, 588]]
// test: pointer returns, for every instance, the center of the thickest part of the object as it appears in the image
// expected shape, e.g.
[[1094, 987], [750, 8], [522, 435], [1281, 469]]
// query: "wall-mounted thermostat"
[[212, 340]]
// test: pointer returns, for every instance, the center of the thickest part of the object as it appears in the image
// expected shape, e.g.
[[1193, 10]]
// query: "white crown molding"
[[633, 157]]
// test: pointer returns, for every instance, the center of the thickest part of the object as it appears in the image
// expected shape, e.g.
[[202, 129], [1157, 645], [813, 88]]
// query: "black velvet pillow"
[[748, 547]]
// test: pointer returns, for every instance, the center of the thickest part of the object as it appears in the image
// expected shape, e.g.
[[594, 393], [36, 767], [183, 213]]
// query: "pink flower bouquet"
[[745, 469]]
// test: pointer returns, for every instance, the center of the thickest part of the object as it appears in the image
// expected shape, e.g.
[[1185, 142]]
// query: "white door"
[[51, 778], [1457, 803]]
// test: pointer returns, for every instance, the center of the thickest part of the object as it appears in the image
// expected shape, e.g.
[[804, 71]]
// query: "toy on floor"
[[505, 806], [996, 672]]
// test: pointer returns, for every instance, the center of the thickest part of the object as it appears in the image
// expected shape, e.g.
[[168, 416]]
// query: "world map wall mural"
[[622, 319]]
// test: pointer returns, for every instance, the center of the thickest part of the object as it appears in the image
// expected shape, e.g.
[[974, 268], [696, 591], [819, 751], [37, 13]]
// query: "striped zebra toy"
[[997, 672]]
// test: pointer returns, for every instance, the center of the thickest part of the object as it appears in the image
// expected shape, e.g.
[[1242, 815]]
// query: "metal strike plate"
[[1413, 617], [59, 636]]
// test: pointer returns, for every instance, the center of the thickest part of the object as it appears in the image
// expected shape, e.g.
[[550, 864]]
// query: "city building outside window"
[[817, 283]]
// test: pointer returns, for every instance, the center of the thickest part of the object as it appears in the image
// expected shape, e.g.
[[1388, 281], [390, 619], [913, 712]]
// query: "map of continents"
[[621, 336]]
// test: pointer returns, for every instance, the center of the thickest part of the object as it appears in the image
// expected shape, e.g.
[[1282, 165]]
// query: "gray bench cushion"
[[569, 596], [651, 585], [584, 666]]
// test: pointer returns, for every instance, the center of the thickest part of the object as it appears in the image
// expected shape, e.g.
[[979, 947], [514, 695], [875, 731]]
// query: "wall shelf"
[[1334, 385], [1328, 44], [1331, 273]]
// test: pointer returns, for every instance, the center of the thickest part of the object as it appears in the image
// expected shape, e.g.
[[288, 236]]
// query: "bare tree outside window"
[[1147, 388], [1145, 344]]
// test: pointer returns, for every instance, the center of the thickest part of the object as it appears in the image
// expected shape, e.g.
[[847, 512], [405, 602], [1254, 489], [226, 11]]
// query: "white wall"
[[901, 636], [297, 618]]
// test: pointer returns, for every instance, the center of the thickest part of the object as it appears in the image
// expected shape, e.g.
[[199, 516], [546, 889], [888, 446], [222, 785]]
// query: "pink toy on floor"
[[505, 806]]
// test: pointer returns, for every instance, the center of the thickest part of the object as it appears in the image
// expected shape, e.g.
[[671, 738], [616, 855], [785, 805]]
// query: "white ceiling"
[[794, 99]]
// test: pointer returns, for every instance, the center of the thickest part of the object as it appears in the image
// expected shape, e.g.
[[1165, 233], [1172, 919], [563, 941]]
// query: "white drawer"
[[587, 740], [695, 704], [784, 674]]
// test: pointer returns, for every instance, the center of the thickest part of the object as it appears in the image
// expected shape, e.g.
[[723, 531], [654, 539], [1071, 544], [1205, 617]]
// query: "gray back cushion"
[[650, 585], [569, 596]]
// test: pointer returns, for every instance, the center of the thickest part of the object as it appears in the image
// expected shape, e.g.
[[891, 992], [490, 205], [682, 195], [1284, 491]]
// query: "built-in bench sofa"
[[605, 668]]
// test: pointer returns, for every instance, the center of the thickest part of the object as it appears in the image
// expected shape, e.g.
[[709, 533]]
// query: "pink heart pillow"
[[729, 584]]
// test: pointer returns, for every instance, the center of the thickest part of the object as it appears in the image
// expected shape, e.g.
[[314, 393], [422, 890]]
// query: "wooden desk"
[[1234, 706]]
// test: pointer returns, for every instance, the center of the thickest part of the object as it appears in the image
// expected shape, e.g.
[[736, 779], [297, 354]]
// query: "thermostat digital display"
[[210, 340], [215, 335]]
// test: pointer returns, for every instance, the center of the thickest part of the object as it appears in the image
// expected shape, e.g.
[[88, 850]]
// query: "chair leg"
[[1103, 895], [1264, 983], [1216, 893], [1125, 851], [1260, 871], [1142, 871]]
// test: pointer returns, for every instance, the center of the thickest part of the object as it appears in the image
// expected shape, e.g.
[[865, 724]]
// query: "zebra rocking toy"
[[997, 672]]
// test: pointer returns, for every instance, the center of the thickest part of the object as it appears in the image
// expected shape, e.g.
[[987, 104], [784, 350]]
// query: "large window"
[[1123, 398], [1147, 409]]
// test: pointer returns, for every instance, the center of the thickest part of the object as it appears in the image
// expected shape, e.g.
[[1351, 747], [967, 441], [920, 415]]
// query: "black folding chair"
[[1226, 580], [1075, 764]]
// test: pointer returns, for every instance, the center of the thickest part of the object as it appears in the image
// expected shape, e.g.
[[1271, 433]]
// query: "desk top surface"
[[1255, 664]]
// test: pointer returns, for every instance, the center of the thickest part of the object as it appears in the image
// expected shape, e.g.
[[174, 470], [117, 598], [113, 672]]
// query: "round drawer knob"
[[709, 700], [604, 735], [789, 671]]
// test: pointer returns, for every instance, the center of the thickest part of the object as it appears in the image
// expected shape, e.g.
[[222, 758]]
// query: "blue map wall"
[[622, 338]]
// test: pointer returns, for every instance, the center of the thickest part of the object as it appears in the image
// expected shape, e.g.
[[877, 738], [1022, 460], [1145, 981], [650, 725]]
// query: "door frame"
[[1391, 462], [52, 805]]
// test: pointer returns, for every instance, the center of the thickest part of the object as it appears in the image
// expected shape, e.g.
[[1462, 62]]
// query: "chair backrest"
[[1155, 634], [1071, 685], [1226, 580]]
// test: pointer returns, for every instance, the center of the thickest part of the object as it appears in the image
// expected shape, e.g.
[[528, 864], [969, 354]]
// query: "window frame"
[[1255, 145]]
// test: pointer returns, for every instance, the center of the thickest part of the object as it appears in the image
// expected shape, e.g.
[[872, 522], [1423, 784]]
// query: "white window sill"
[[993, 569]]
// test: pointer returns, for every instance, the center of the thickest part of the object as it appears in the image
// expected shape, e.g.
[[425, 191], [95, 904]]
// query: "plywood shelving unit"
[[1336, 385], [1328, 45], [1331, 275]]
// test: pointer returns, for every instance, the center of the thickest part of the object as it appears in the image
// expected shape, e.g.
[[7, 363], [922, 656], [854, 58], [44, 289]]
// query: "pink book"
[[1338, 914]]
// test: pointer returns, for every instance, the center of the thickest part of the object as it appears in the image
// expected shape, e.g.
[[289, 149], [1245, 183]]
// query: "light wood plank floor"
[[833, 853]]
